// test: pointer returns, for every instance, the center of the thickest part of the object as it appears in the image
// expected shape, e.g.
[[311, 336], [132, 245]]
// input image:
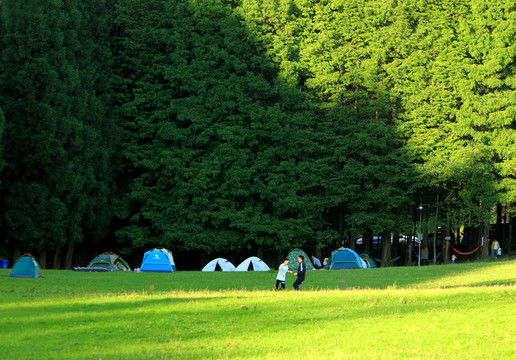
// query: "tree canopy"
[[233, 126]]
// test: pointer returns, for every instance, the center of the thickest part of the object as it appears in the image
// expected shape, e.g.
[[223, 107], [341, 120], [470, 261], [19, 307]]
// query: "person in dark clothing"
[[300, 272]]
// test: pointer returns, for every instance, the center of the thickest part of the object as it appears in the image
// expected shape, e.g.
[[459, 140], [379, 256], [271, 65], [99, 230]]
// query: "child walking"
[[282, 273]]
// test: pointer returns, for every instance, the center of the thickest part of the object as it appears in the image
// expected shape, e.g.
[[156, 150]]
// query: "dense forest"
[[242, 127]]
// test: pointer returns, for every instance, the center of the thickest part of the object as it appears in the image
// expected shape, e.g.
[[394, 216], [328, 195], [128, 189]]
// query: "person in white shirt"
[[495, 245], [282, 274]]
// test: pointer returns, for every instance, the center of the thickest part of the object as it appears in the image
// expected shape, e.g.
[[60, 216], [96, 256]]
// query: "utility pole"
[[420, 235], [436, 229]]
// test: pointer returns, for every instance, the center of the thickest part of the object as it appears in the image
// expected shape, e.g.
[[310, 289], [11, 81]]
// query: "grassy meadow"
[[463, 311]]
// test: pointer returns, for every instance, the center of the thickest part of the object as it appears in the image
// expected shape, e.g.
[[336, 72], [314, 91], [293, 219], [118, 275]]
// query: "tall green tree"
[[55, 184], [208, 141], [2, 160], [254, 124]]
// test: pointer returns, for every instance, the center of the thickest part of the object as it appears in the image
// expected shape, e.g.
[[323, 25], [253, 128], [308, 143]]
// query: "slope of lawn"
[[435, 312]]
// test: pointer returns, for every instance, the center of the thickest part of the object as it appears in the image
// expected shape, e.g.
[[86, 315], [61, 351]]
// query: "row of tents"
[[155, 260], [342, 258], [162, 260]]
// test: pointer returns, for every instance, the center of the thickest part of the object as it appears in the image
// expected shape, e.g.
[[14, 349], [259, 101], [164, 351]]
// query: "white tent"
[[252, 264], [219, 264]]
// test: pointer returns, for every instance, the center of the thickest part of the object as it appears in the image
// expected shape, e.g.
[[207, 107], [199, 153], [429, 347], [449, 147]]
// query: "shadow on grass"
[[151, 322]]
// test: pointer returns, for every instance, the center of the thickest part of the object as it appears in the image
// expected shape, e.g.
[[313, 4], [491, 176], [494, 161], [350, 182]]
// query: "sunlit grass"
[[463, 311]]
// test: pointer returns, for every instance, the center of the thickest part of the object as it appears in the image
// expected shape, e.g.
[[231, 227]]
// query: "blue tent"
[[252, 264], [158, 260], [26, 266], [345, 258], [219, 264], [368, 260]]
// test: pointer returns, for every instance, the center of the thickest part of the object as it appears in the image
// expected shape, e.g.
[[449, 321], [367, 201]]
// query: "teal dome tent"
[[26, 266]]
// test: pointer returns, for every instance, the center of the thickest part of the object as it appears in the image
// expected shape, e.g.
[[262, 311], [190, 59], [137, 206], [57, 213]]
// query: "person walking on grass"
[[300, 272], [495, 245], [282, 274]]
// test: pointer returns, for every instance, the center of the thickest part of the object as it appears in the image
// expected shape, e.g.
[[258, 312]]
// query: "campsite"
[[258, 179], [385, 313]]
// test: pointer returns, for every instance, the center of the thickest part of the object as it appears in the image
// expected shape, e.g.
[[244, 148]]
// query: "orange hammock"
[[465, 253]]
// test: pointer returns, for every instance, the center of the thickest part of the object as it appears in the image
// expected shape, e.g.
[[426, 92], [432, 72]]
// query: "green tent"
[[293, 263], [109, 261], [368, 260], [26, 266]]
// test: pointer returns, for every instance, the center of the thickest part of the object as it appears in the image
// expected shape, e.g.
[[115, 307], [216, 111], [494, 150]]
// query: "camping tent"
[[109, 261], [219, 264], [345, 258], [26, 266], [368, 260], [252, 264], [158, 260], [293, 263]]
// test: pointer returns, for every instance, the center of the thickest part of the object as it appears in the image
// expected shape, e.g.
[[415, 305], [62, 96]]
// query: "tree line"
[[240, 126]]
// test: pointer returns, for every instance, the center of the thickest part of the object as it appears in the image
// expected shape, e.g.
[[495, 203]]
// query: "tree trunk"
[[425, 229], [318, 251], [499, 226], [69, 255], [56, 263], [366, 241], [409, 246], [446, 251], [43, 259], [280, 258], [510, 222], [484, 232], [485, 253], [259, 253], [341, 226], [395, 245], [505, 229], [434, 246], [386, 249], [352, 243], [16, 254], [412, 212], [474, 243]]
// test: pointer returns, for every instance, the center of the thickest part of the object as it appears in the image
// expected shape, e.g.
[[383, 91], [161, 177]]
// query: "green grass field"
[[462, 311]]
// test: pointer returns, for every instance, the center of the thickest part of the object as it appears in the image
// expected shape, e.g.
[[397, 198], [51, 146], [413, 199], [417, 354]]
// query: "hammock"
[[465, 253], [393, 260], [427, 259]]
